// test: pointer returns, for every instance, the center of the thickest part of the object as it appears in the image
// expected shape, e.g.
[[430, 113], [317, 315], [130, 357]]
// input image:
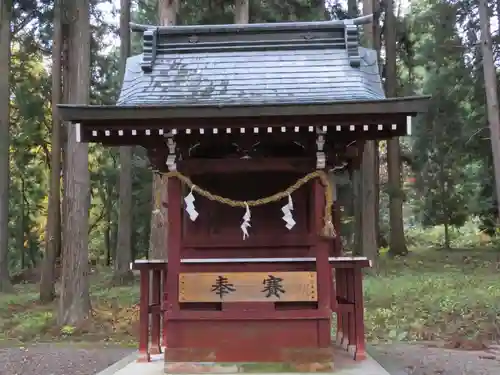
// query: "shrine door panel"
[[220, 221]]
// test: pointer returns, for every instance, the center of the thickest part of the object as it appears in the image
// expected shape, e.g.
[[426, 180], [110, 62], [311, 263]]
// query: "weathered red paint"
[[163, 307], [342, 299], [171, 288], [248, 306], [144, 317], [252, 332], [194, 167], [243, 340], [360, 352], [323, 268], [263, 241], [351, 328], [156, 317], [276, 315]]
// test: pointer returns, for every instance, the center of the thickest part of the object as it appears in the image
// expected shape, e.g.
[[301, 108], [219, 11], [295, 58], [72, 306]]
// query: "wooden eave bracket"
[[351, 34], [149, 41]]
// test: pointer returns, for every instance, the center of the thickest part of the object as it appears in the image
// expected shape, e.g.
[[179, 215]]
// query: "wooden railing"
[[347, 304], [153, 276]]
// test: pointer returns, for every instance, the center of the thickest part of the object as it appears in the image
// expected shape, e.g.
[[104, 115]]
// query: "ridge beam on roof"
[[251, 27], [350, 28]]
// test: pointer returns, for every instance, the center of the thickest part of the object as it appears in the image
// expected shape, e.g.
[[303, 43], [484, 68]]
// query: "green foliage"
[[67, 330], [30, 143], [431, 295], [439, 140], [434, 296], [428, 295], [452, 149]]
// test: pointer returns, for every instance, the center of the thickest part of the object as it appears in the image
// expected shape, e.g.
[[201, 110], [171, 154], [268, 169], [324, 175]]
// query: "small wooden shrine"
[[248, 122]]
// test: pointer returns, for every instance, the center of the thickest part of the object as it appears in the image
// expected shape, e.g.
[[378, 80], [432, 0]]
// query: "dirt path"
[[58, 359], [408, 359], [398, 359]]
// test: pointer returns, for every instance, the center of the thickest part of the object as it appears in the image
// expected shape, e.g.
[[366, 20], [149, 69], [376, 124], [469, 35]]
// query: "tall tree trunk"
[[167, 13], [447, 241], [74, 304], [123, 252], [5, 35], [352, 8], [368, 173], [397, 242], [21, 224], [443, 194], [321, 8], [357, 205], [377, 45], [53, 235], [490, 84], [107, 218], [65, 42], [241, 11]]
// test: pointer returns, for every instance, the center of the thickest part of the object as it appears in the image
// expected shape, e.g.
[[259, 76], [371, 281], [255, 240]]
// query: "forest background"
[[437, 211]]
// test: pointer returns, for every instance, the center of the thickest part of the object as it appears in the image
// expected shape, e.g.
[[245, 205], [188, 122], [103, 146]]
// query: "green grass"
[[429, 295], [435, 295]]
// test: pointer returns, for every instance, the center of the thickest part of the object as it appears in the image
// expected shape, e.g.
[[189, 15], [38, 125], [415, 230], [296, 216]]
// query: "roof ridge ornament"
[[351, 34], [149, 47]]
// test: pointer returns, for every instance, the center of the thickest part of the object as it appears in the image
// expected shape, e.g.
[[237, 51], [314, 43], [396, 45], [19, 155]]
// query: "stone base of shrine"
[[343, 364], [282, 361], [250, 367]]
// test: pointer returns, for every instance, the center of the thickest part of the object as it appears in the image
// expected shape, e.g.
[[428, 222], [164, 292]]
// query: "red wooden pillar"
[[144, 317], [174, 220], [342, 321], [350, 339], [156, 312], [360, 353], [345, 312], [324, 273], [163, 305]]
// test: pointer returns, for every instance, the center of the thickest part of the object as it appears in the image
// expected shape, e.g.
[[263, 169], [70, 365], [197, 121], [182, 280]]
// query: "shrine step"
[[340, 362], [344, 365], [250, 367]]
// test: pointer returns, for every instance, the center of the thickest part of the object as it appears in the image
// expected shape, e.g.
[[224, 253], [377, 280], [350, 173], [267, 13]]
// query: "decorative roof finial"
[[351, 33], [149, 49]]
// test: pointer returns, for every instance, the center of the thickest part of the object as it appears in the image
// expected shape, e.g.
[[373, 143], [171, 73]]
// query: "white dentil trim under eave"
[[78, 132]]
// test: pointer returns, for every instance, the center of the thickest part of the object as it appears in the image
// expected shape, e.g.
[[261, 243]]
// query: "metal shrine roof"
[[277, 63], [294, 75]]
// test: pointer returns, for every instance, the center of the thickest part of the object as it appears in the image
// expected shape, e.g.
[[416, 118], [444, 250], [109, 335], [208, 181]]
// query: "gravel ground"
[[406, 359], [398, 359], [49, 359]]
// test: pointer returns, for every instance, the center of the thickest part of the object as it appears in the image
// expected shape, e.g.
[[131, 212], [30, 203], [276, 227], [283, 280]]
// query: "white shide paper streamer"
[[190, 209], [246, 222], [287, 213]]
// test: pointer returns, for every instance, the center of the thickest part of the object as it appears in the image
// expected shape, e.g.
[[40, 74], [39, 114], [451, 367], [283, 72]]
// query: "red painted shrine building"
[[248, 122]]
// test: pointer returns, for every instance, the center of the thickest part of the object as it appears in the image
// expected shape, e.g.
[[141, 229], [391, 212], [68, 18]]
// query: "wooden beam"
[[258, 241], [235, 165], [383, 107]]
